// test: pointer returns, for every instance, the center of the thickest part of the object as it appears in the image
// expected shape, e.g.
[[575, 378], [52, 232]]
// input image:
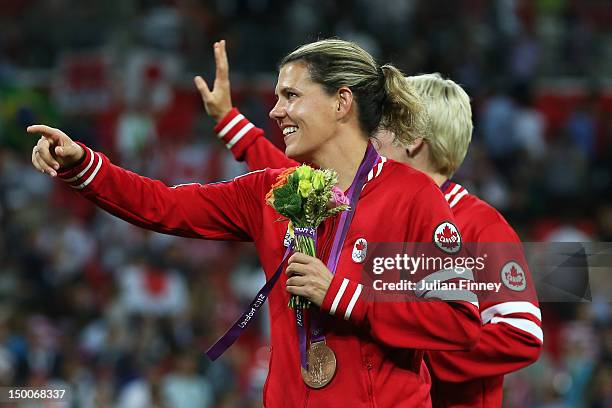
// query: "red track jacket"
[[378, 345]]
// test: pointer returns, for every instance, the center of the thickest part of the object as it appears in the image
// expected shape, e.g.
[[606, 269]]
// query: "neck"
[[343, 156], [438, 178], [419, 162]]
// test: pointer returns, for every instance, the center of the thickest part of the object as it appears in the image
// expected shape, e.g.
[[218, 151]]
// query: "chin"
[[294, 152], [291, 150]]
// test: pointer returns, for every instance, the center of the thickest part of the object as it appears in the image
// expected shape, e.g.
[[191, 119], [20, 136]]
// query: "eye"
[[291, 95]]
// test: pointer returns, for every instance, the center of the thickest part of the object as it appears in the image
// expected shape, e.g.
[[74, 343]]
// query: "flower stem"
[[305, 245]]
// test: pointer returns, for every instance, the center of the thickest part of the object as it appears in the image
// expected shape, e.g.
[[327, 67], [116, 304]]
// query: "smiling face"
[[305, 113]]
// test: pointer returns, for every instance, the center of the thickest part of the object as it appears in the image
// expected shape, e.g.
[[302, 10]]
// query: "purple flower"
[[338, 198]]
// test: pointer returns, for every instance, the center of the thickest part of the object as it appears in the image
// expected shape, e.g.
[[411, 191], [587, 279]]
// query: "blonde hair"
[[382, 96], [450, 120]]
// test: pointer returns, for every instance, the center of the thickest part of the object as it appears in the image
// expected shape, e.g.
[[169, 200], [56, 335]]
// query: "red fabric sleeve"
[[416, 324], [247, 143], [512, 336], [220, 211]]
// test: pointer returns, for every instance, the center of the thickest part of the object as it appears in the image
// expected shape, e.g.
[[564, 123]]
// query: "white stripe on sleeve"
[[522, 324], [75, 178], [338, 297], [93, 174], [507, 308], [230, 125], [239, 135], [351, 305]]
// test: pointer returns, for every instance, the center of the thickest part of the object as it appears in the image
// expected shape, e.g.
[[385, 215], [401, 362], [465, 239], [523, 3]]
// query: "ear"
[[415, 147], [344, 102]]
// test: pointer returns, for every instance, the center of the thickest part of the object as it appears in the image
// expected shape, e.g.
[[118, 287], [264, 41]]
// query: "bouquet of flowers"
[[306, 197]]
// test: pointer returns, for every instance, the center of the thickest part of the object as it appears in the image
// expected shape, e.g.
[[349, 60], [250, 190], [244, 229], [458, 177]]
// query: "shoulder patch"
[[513, 276], [446, 237], [360, 250]]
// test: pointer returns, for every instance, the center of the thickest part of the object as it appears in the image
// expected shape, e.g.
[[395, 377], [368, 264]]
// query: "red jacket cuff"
[[80, 175], [237, 133], [345, 299]]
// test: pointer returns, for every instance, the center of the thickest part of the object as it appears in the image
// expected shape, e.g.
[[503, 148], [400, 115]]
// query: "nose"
[[278, 111]]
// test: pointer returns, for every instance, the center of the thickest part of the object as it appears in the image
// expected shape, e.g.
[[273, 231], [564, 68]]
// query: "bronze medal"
[[321, 365]]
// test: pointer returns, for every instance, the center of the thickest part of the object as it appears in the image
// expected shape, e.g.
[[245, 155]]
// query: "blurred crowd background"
[[123, 316]]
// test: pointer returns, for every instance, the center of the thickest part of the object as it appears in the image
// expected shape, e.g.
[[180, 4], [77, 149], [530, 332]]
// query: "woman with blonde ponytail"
[[403, 111], [332, 96], [382, 97]]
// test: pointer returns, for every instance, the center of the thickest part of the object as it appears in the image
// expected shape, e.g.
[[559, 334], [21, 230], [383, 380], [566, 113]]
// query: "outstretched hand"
[[217, 102], [54, 150]]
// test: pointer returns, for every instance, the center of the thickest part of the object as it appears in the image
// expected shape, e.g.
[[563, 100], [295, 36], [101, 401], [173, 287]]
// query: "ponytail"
[[403, 112]]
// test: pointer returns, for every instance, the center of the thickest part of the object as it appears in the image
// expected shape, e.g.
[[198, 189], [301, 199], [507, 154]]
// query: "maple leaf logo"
[[514, 277], [448, 238], [514, 271], [359, 246]]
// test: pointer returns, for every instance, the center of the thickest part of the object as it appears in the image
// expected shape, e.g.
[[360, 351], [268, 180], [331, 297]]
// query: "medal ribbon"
[[299, 312], [217, 349], [247, 317], [353, 193]]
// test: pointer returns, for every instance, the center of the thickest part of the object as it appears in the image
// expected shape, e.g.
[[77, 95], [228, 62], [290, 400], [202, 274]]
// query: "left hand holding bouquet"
[[308, 277], [306, 197]]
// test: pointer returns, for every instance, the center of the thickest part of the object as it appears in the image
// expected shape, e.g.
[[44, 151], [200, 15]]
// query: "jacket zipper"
[[369, 367], [326, 246], [307, 397]]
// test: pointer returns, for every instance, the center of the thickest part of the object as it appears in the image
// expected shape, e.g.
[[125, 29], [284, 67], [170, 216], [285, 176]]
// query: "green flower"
[[293, 182], [318, 180], [286, 202], [304, 172], [305, 187], [291, 207], [283, 192]]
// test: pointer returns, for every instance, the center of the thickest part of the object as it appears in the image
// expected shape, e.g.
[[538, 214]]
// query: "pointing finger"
[[47, 131]]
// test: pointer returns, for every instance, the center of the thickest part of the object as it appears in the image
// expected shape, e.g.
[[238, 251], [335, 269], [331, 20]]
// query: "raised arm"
[[245, 141], [223, 211]]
